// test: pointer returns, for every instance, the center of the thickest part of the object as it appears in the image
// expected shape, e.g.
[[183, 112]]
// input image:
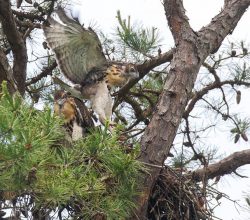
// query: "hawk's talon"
[[111, 125]]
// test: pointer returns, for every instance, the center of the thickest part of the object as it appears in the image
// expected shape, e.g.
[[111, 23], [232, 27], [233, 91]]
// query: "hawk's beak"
[[134, 75]]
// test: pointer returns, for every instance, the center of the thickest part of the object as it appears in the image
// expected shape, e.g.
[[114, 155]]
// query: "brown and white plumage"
[[80, 58], [77, 120], [78, 50]]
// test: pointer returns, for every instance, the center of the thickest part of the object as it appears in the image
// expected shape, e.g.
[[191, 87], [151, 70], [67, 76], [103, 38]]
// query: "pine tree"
[[126, 174]]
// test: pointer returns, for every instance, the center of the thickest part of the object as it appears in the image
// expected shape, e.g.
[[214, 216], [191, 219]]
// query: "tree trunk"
[[192, 48]]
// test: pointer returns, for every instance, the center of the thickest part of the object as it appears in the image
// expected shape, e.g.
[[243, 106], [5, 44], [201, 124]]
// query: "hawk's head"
[[64, 106], [120, 74]]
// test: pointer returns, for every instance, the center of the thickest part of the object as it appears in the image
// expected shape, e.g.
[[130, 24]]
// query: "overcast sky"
[[200, 12]]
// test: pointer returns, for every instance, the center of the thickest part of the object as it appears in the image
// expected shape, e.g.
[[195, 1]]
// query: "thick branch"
[[17, 44], [6, 72], [223, 167], [222, 24]]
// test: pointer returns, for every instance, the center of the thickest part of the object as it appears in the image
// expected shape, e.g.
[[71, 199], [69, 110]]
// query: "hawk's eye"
[[132, 69]]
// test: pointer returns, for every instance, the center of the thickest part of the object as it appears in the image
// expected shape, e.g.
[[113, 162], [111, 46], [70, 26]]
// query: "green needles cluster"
[[93, 176]]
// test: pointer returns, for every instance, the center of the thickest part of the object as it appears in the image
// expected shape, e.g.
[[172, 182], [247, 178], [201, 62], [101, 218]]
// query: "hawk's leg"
[[108, 112], [102, 104]]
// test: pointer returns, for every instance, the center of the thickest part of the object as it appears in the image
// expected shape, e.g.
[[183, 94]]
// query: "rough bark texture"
[[223, 167], [6, 72], [191, 50], [16, 42]]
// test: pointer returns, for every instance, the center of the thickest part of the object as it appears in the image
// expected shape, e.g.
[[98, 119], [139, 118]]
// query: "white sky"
[[200, 12]]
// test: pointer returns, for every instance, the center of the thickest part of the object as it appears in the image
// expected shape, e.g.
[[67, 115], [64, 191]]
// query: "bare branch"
[[46, 71], [215, 85], [226, 166]]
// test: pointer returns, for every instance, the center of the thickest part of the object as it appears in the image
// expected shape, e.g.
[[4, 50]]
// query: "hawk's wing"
[[78, 50]]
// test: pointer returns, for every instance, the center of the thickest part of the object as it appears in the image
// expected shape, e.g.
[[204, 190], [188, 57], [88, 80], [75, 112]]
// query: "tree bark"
[[17, 44], [6, 73], [192, 48], [223, 167]]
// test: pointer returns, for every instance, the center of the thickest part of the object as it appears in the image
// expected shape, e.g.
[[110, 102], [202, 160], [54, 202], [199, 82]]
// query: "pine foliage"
[[138, 38], [93, 177]]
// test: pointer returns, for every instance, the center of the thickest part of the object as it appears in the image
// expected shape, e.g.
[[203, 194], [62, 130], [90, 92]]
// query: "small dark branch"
[[28, 15], [142, 95], [46, 71], [224, 99], [133, 125], [136, 134], [222, 114], [154, 62], [27, 33], [212, 71], [157, 93], [200, 130], [120, 117], [136, 107], [196, 97], [226, 166], [16, 42], [215, 85], [237, 174], [117, 102], [198, 156], [28, 24]]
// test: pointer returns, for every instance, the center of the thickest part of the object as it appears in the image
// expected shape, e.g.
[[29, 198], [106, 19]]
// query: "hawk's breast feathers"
[[77, 120]]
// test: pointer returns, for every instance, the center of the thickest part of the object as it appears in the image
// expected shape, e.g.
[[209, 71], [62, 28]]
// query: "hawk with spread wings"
[[80, 58]]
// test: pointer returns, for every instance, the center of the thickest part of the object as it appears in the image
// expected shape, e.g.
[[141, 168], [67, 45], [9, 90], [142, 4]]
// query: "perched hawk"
[[77, 120], [80, 58]]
